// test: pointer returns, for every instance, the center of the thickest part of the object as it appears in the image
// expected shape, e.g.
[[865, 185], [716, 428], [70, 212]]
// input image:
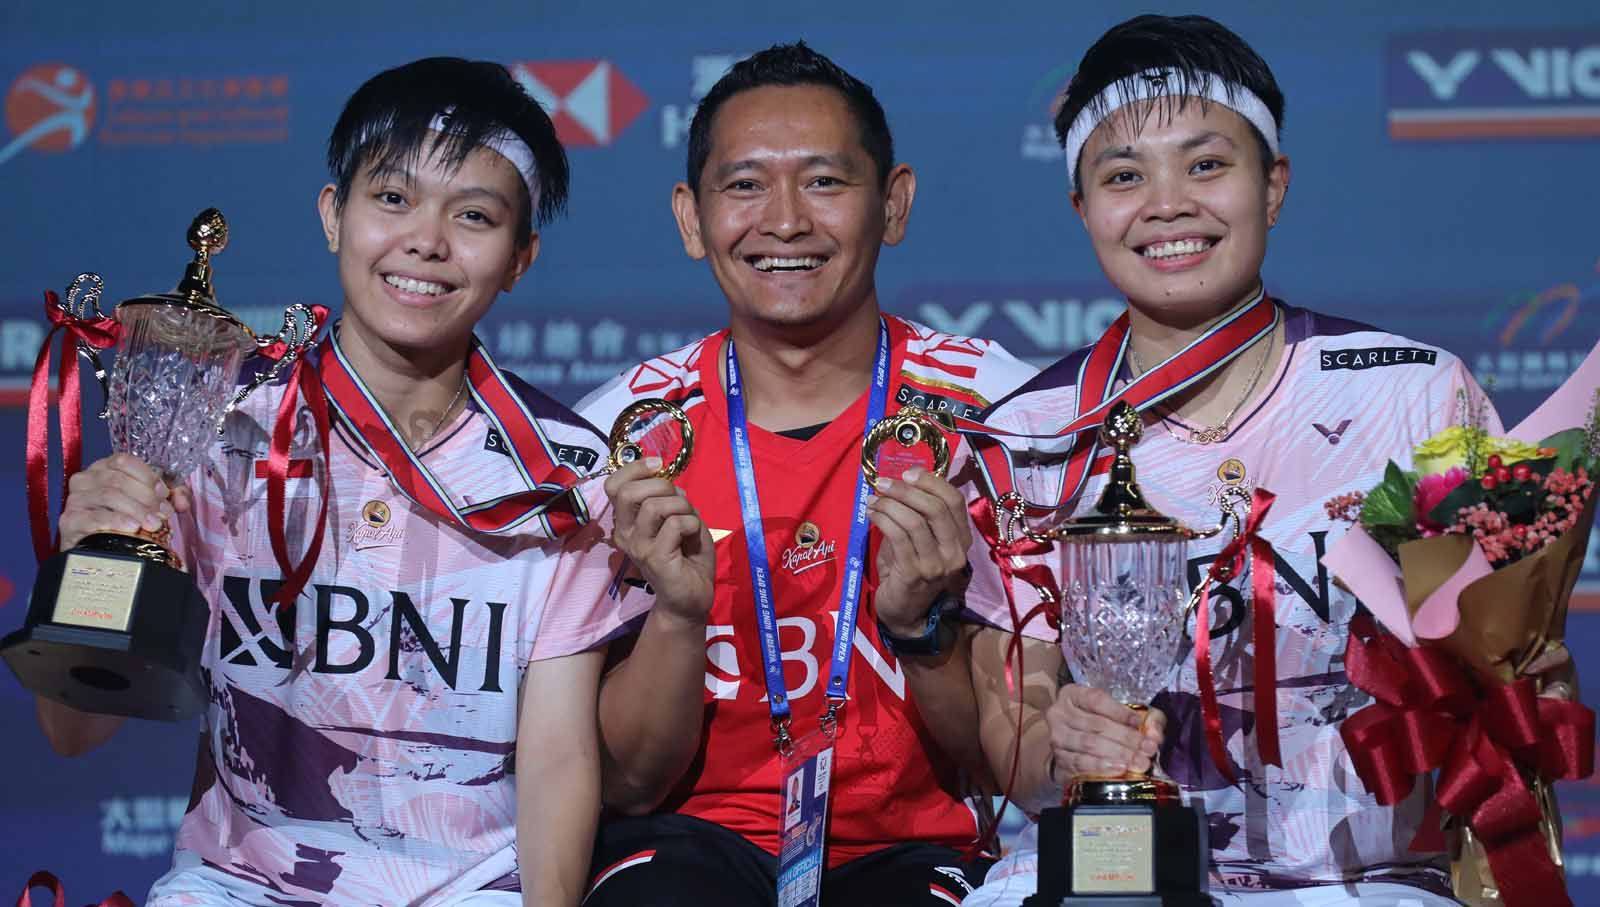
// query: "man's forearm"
[[941, 687], [1033, 787], [652, 713]]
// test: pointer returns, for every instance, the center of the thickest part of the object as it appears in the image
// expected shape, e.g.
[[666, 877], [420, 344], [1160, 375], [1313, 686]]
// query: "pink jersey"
[[363, 748], [1344, 401]]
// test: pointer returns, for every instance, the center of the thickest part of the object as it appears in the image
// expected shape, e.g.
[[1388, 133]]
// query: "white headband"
[[508, 145], [1153, 83]]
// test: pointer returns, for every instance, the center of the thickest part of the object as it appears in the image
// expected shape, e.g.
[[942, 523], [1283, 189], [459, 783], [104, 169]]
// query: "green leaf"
[[1520, 506], [1468, 494], [1569, 447], [1390, 503]]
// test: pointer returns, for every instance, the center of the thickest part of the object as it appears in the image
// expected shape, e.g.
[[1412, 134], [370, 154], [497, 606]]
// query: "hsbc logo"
[[704, 72], [590, 101]]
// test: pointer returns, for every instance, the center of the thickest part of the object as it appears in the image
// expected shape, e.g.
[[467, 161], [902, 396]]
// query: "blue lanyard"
[[760, 570]]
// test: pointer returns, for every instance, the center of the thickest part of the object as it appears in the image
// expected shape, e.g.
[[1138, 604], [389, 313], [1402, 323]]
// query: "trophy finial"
[[1122, 428], [208, 233]]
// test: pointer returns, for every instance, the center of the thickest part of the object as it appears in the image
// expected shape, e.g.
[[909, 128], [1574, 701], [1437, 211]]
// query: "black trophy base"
[[114, 634], [1162, 848]]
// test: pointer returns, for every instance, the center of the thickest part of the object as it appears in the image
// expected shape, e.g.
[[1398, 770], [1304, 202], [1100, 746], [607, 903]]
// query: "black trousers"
[[669, 860]]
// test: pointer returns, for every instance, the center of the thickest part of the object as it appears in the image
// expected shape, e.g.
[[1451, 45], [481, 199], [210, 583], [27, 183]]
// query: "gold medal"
[[641, 418], [907, 428]]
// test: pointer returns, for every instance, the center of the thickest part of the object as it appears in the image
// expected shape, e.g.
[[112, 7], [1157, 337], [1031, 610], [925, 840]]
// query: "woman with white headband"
[[1171, 129], [431, 690]]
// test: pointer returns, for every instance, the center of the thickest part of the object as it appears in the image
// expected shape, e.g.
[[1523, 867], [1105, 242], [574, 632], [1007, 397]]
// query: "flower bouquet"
[[1468, 561]]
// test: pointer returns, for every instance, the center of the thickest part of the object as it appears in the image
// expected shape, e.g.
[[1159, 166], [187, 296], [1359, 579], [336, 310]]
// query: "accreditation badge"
[[807, 774]]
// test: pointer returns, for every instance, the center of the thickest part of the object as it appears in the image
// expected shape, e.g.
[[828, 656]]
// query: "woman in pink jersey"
[[1171, 131], [364, 748]]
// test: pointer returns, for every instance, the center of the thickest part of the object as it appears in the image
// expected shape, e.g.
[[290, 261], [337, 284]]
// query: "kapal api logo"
[[590, 101], [1493, 84], [50, 108]]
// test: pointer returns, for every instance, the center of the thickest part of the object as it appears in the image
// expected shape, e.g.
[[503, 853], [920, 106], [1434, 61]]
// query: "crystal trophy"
[[115, 626], [1124, 840]]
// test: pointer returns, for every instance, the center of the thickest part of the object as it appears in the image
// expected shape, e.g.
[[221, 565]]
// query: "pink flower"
[[1432, 489]]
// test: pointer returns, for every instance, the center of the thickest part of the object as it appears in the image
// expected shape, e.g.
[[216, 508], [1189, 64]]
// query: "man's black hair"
[[792, 64], [1191, 49], [385, 127]]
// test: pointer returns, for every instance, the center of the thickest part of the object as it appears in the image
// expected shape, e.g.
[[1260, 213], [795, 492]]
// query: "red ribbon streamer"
[[1264, 637], [43, 879], [1429, 714], [1007, 554], [304, 381], [98, 333]]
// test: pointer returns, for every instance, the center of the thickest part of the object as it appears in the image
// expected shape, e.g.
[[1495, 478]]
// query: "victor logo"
[[1334, 434]]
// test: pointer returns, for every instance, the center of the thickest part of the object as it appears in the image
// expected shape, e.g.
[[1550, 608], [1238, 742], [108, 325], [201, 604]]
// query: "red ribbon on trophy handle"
[[304, 381], [1485, 742], [1007, 550], [1263, 606], [43, 879], [96, 333]]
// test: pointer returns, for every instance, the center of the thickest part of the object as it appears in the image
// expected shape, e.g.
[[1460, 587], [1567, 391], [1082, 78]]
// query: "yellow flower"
[[1449, 448]]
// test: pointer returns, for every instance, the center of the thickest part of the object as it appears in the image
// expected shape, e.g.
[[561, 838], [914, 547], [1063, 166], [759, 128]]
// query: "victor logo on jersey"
[[1335, 434], [1376, 357]]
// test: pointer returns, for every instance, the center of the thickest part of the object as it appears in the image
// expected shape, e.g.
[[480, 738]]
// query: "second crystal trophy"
[[1123, 840], [115, 625]]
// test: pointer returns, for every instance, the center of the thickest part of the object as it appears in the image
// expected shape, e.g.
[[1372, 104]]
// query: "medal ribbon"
[[1263, 606], [756, 543], [1097, 374], [547, 479], [94, 333]]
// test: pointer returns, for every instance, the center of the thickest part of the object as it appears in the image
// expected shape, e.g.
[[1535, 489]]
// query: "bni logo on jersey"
[[1506, 83], [50, 108], [590, 101]]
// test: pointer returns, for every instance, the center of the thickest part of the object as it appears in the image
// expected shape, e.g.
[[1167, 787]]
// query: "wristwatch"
[[944, 607]]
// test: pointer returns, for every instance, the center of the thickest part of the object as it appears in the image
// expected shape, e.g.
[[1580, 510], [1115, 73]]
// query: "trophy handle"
[[83, 304], [299, 329], [1231, 500]]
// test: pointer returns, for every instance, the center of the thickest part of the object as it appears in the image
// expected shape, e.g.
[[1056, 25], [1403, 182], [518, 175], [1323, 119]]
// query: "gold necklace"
[[1217, 432], [460, 388]]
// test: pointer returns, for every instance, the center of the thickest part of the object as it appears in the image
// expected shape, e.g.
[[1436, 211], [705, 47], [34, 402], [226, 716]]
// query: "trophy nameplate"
[[97, 592], [1113, 853]]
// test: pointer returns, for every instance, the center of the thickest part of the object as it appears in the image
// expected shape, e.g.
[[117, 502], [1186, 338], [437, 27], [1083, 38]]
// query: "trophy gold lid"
[[1122, 514], [208, 235]]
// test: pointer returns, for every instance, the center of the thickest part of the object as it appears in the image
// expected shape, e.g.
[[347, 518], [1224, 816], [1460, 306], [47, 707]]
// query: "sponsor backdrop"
[[1444, 185]]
